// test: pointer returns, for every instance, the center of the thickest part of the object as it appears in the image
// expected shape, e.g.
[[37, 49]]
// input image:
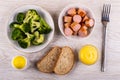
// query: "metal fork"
[[105, 19]]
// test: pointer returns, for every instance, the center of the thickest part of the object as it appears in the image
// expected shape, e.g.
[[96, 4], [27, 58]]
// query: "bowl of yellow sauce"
[[88, 54], [19, 62]]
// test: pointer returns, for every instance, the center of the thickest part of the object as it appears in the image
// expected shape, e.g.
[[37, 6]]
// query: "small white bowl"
[[27, 64], [41, 12], [63, 13]]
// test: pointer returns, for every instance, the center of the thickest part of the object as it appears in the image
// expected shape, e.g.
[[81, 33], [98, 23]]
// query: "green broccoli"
[[30, 13], [25, 27], [39, 38], [13, 23], [36, 18], [17, 34], [34, 23], [26, 42], [20, 17], [44, 28]]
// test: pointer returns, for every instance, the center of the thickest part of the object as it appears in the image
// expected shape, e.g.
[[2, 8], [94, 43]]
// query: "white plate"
[[63, 13], [41, 12]]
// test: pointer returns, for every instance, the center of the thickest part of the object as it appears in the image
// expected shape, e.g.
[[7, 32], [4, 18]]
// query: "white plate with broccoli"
[[30, 28]]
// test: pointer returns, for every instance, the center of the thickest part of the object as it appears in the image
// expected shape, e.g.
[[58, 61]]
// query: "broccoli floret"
[[17, 34], [39, 38], [34, 23], [44, 28], [20, 17], [30, 13], [25, 27], [36, 18], [41, 30], [26, 42], [12, 24]]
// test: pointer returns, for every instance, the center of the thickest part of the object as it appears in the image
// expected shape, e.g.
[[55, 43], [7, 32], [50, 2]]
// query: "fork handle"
[[103, 49]]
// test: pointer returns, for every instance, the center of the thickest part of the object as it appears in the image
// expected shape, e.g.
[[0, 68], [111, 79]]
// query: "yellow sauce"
[[19, 62], [88, 54]]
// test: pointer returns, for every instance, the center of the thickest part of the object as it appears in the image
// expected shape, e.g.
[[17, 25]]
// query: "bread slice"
[[47, 63], [65, 61]]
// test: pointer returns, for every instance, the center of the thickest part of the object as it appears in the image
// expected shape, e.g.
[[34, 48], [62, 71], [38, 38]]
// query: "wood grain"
[[80, 71]]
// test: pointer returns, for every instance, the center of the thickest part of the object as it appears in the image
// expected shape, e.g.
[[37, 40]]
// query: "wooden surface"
[[80, 71]]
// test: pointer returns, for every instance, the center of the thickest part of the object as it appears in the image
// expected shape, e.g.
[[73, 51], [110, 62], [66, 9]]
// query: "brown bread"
[[47, 63], [65, 61]]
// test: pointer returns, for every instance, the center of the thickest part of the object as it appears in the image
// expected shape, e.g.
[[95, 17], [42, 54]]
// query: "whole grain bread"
[[65, 61], [47, 63]]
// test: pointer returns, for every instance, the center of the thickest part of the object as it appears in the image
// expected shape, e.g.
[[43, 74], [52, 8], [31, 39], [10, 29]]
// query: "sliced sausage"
[[68, 31], [67, 19], [85, 18], [82, 32], [89, 23], [67, 25], [71, 11], [77, 18], [81, 12], [83, 26], [75, 26]]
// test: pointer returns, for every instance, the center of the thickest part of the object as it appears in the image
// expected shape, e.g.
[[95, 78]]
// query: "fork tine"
[[106, 12], [103, 12], [109, 10]]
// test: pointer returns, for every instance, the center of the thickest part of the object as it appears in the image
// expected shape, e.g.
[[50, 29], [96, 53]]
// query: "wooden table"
[[80, 71]]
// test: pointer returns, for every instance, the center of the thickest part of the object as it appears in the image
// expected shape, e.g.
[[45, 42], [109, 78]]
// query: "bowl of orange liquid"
[[88, 54], [20, 62]]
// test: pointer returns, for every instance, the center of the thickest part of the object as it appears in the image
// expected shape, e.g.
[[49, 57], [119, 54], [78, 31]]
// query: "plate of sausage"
[[76, 21]]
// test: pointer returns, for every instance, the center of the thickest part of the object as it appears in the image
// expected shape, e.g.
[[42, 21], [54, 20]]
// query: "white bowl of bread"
[[76, 21], [58, 60]]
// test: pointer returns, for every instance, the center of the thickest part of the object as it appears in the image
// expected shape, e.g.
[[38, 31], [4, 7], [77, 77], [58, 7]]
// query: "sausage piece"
[[82, 32], [77, 18], [81, 12], [75, 26], [89, 23], [71, 11], [67, 19], [84, 27], [67, 25], [68, 31], [85, 18]]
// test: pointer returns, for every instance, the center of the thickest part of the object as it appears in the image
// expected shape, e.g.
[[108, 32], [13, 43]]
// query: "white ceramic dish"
[[27, 64], [63, 13], [41, 12]]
